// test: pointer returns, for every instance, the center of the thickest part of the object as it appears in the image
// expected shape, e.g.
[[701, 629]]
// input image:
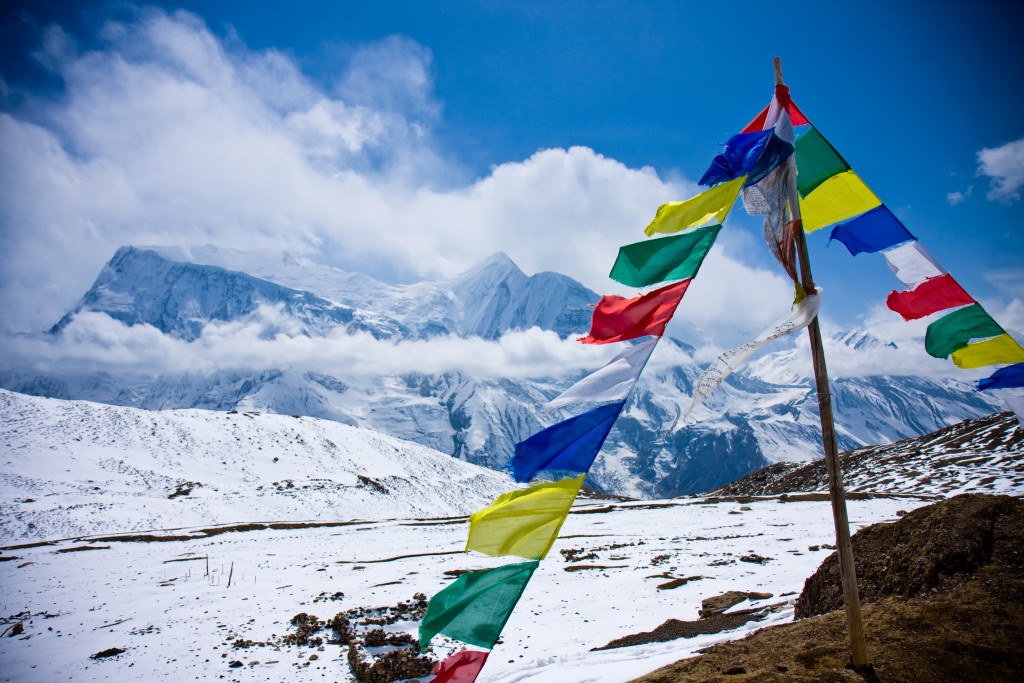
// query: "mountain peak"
[[499, 261]]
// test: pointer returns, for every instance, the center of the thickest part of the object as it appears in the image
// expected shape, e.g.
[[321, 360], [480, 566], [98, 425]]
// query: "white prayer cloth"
[[610, 383], [723, 366], [912, 264]]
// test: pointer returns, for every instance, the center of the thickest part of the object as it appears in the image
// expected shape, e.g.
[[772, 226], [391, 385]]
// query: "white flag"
[[1016, 404], [610, 383], [722, 366], [912, 264]]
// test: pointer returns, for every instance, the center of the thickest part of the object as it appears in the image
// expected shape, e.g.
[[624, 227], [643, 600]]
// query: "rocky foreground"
[[942, 590]]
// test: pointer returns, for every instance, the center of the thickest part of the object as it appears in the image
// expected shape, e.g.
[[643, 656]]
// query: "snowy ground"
[[155, 601]]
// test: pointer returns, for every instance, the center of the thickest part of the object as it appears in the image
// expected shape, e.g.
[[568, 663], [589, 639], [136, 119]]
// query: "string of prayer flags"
[[955, 330], [568, 446], [617, 318], [475, 607], [1010, 377], [461, 667], [670, 258], [523, 523], [803, 313], [994, 351], [871, 232], [711, 206], [931, 296], [610, 383]]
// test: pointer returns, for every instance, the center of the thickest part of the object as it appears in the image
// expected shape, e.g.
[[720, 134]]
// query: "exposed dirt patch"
[[581, 567], [933, 547], [375, 652], [674, 628], [943, 593]]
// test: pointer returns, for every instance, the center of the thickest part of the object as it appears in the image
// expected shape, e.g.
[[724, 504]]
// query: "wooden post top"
[[778, 71]]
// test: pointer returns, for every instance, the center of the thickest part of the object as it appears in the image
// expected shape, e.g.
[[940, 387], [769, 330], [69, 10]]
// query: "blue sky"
[[445, 108]]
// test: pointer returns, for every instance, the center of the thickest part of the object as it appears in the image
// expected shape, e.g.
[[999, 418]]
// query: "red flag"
[[618, 319], [932, 295], [462, 667], [796, 116]]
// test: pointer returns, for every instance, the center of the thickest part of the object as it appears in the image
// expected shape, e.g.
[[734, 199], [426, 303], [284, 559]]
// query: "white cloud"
[[1005, 166], [94, 341], [169, 135], [954, 198]]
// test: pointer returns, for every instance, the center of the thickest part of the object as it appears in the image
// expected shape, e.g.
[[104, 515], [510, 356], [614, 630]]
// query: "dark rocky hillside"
[[986, 454]]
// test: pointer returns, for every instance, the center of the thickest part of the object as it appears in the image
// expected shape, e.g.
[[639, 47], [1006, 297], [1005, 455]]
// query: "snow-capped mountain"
[[764, 413]]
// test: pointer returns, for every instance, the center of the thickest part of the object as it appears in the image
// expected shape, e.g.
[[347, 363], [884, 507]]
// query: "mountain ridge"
[[763, 413]]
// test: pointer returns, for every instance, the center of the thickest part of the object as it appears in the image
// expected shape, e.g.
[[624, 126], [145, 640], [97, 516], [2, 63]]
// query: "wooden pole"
[[847, 569]]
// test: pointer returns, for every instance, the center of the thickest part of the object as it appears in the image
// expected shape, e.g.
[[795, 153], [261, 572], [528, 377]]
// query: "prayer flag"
[[873, 231], [816, 161], [723, 366], [1016, 404], [461, 667], [569, 446], [780, 101], [711, 205], [931, 296], [1010, 377], [754, 154], [670, 258], [475, 607], [523, 523], [842, 196], [955, 330], [911, 264], [618, 319], [995, 351], [610, 383], [770, 198]]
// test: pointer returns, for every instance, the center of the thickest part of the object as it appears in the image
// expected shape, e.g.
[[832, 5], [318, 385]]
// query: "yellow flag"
[[523, 523], [994, 351], [710, 206], [842, 196]]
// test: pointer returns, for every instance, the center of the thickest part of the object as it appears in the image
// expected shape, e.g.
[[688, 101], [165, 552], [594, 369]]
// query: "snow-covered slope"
[[216, 602], [72, 467]]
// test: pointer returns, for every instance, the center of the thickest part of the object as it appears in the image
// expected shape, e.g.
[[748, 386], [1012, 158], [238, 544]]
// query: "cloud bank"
[[166, 134], [169, 135]]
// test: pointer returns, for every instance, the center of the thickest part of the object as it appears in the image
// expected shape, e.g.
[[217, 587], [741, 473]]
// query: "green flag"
[[952, 332], [816, 161], [668, 258], [476, 606]]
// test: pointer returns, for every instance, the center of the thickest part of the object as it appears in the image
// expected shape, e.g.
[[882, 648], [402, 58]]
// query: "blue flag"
[[569, 446], [871, 232], [754, 155], [1010, 377]]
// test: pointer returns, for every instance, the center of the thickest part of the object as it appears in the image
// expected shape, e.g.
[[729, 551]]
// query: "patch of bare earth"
[[943, 593]]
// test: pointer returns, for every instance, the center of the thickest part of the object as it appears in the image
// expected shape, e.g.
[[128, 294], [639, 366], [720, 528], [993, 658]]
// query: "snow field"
[[174, 621]]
